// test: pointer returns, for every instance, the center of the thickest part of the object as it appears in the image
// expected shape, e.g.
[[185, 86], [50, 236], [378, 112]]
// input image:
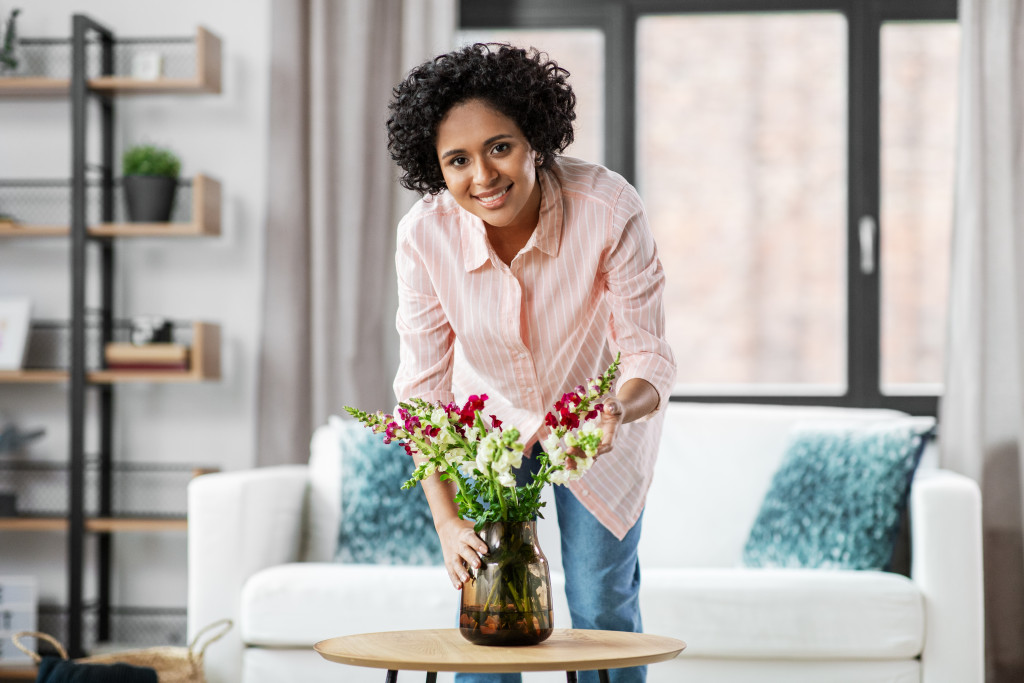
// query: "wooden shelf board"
[[18, 673], [32, 376], [27, 230], [152, 376], [123, 85], [207, 78], [107, 524], [114, 230], [26, 86], [206, 214], [148, 230], [95, 524], [205, 366]]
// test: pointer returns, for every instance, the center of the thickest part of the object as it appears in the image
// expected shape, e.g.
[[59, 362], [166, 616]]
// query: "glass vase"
[[508, 600]]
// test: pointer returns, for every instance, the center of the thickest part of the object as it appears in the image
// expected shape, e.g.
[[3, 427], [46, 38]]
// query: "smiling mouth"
[[493, 199]]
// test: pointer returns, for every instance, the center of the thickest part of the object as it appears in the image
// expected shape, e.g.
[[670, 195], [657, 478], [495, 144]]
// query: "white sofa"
[[261, 542]]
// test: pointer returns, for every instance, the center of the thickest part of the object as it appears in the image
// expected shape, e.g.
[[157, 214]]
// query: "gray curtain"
[[329, 296], [982, 414]]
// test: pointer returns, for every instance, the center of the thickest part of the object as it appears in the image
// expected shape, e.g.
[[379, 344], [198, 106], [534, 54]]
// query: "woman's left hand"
[[611, 417], [636, 398]]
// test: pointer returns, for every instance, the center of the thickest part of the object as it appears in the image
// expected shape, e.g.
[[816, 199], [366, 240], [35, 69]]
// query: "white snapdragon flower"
[[552, 445], [507, 479], [486, 451], [510, 458], [560, 477], [455, 456], [468, 468], [439, 417]]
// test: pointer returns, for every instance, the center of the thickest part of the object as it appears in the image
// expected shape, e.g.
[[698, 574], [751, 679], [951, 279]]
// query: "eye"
[[458, 161], [500, 147]]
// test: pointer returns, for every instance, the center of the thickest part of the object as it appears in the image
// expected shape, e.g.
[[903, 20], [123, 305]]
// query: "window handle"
[[867, 229]]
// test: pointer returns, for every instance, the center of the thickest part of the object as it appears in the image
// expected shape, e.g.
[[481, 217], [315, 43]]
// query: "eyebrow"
[[488, 141]]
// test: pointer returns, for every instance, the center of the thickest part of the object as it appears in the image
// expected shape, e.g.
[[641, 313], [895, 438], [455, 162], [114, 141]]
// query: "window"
[[796, 159], [918, 116]]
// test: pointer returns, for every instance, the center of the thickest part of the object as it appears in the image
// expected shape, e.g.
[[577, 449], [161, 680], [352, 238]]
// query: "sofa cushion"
[[785, 613], [837, 499], [715, 463], [381, 523]]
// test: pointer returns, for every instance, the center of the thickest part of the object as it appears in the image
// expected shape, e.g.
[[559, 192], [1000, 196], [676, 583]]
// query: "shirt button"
[[522, 355]]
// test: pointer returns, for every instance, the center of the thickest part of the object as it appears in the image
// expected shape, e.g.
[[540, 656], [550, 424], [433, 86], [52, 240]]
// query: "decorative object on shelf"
[[170, 664], [150, 183], [148, 66], [8, 506], [19, 609], [13, 440], [153, 356], [149, 329], [7, 221], [15, 316], [509, 601], [9, 48]]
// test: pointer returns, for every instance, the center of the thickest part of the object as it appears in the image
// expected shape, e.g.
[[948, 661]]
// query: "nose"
[[484, 173]]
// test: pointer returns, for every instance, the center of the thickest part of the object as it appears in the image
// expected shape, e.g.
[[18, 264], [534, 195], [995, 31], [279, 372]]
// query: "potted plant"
[[150, 183], [9, 60]]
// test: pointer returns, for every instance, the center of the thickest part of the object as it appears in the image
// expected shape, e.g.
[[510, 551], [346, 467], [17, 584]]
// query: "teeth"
[[494, 197]]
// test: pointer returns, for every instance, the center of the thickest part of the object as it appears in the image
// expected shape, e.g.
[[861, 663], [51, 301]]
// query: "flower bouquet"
[[508, 599]]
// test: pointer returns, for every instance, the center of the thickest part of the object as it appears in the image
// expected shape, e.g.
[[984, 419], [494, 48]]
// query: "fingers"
[[462, 553], [610, 421]]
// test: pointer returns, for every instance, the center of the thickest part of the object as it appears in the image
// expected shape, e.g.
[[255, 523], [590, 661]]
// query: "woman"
[[521, 273]]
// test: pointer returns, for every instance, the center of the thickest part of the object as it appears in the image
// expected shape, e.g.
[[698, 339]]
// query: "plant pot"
[[508, 600], [149, 199]]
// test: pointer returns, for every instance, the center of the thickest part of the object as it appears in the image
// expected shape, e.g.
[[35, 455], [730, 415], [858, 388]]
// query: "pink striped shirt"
[[588, 283]]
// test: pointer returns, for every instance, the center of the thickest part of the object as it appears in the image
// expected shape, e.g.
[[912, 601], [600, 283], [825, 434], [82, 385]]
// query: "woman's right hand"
[[462, 549]]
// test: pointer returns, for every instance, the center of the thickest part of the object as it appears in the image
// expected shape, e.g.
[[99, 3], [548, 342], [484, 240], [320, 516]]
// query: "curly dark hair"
[[524, 85]]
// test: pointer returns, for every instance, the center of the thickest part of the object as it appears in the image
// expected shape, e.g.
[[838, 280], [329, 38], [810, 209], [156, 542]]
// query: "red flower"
[[473, 404], [550, 420], [495, 422]]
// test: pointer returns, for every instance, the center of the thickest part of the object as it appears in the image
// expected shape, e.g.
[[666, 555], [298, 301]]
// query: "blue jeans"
[[602, 583]]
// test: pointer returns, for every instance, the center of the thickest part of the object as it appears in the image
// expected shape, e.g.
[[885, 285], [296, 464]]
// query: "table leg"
[[603, 675], [431, 677], [570, 677], [392, 676]]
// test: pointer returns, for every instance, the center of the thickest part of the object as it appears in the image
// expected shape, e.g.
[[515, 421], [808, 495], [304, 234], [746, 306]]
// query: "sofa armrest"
[[238, 524], [946, 562]]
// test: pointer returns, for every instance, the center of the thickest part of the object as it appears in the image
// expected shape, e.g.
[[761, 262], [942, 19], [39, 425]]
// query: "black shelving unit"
[[91, 189]]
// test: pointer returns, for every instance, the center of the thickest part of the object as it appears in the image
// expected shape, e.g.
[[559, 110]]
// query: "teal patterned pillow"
[[381, 523], [838, 496]]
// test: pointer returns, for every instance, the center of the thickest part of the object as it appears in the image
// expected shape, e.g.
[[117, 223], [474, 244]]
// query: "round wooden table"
[[434, 650]]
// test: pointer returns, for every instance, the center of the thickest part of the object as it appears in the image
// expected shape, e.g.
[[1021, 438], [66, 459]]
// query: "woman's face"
[[489, 166]]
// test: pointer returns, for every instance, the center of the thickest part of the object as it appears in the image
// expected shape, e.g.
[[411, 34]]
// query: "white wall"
[[216, 279]]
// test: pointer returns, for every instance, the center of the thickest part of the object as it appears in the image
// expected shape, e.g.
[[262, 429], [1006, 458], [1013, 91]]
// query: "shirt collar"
[[547, 237]]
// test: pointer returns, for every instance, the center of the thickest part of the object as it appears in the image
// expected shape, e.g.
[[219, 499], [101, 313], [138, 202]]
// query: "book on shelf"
[[146, 354], [129, 365]]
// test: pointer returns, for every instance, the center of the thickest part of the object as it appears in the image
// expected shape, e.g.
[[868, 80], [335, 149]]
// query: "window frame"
[[617, 19]]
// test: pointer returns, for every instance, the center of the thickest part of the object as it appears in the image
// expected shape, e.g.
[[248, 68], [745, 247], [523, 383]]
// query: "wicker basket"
[[172, 664]]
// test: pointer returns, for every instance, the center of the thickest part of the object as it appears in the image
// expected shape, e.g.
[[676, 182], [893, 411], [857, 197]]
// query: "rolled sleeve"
[[427, 339], [635, 285]]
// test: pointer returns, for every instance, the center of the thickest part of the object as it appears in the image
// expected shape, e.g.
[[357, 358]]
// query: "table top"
[[447, 650]]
